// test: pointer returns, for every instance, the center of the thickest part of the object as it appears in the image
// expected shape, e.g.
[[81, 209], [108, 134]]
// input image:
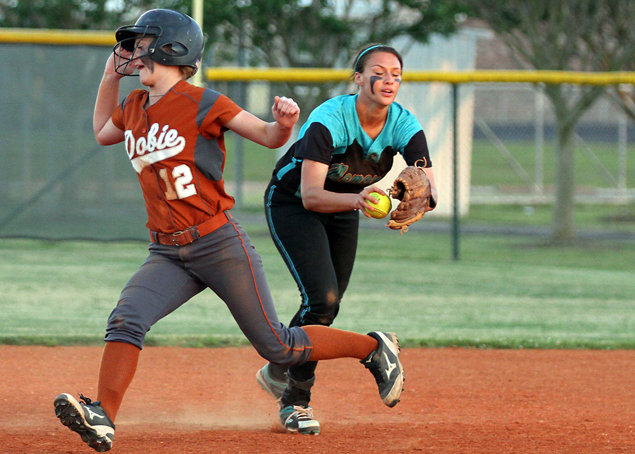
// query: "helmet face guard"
[[177, 40], [128, 38]]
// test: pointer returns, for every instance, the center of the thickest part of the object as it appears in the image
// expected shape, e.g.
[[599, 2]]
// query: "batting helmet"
[[178, 39]]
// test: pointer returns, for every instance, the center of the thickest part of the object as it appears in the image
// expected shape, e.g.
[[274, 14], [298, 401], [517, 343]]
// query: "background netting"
[[55, 181]]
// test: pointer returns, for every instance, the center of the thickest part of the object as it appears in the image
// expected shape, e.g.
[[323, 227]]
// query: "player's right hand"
[[120, 58], [361, 202]]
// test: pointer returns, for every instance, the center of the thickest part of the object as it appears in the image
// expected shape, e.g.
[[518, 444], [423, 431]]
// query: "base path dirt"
[[464, 401]]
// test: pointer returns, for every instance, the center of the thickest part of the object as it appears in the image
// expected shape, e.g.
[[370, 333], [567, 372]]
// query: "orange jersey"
[[177, 148]]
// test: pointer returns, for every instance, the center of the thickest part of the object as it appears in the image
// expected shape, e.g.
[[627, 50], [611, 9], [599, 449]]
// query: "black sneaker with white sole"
[[88, 419], [299, 419], [385, 365]]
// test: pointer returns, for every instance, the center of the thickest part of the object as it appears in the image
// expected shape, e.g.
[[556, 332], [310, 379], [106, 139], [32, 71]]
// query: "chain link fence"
[[57, 183], [515, 133]]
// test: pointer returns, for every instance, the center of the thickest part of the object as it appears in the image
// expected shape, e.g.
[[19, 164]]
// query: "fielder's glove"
[[412, 189]]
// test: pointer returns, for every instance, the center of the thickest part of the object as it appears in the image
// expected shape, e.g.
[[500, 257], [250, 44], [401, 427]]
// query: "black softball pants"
[[319, 250]]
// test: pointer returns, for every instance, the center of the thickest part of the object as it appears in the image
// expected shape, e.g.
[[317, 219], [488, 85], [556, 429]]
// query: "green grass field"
[[505, 292]]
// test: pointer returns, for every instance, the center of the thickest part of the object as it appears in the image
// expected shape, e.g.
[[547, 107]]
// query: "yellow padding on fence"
[[320, 75], [279, 74], [57, 37]]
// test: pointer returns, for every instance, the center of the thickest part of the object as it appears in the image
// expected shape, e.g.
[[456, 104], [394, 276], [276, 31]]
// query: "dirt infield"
[[455, 401]]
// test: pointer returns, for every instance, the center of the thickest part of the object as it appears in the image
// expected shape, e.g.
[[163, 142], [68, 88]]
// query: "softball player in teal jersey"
[[315, 195]]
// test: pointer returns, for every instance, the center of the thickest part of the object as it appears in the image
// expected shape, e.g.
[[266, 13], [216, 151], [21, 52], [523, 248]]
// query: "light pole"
[[241, 99], [197, 15]]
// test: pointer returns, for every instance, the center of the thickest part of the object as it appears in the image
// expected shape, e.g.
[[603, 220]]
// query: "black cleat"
[[385, 366], [88, 419]]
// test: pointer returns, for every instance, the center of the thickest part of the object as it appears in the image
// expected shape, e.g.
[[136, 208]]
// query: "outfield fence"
[[491, 136]]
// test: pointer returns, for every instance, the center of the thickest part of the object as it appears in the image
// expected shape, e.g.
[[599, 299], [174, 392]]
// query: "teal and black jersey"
[[334, 136]]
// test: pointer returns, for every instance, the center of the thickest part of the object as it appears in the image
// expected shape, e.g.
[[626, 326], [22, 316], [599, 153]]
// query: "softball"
[[382, 208]]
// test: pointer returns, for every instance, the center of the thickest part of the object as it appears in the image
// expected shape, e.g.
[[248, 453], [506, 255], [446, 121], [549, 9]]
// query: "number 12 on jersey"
[[183, 186]]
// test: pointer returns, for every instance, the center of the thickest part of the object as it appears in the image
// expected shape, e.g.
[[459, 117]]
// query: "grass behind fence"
[[506, 291], [594, 162]]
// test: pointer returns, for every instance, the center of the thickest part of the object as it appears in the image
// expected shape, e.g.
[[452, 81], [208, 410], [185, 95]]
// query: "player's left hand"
[[285, 111], [413, 190]]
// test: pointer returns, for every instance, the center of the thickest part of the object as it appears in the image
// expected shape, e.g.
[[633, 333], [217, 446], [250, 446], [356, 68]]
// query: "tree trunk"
[[564, 205]]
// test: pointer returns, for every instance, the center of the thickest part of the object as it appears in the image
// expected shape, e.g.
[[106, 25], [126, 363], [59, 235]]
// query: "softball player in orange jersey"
[[173, 135]]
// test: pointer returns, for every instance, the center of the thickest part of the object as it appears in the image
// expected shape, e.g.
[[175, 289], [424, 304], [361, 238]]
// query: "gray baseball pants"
[[225, 261]]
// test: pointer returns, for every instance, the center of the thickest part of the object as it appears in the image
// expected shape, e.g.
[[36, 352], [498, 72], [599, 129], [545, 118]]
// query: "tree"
[[583, 35], [275, 33], [317, 33], [74, 14]]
